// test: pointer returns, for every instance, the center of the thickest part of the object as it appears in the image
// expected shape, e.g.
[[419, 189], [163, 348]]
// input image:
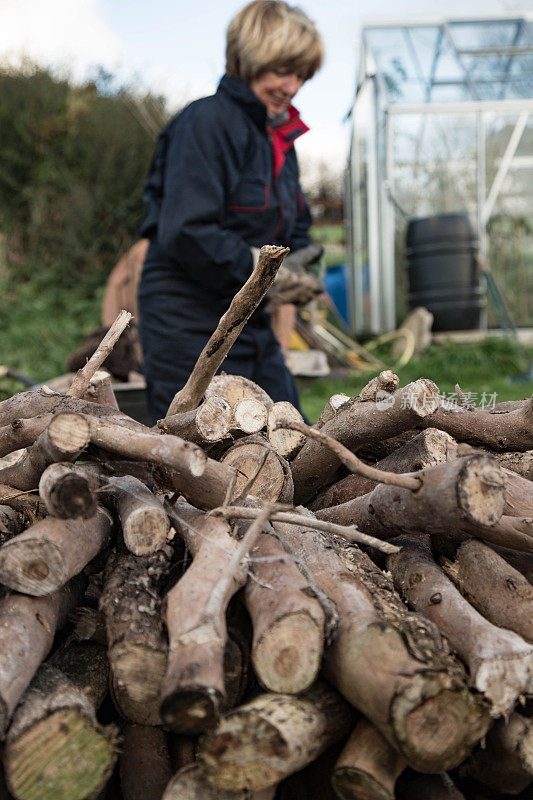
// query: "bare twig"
[[229, 327], [242, 549], [350, 460], [80, 384], [465, 402], [348, 532], [249, 484]]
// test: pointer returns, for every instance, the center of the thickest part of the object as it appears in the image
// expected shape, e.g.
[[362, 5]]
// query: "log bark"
[[22, 433], [213, 488], [518, 495], [522, 562], [22, 412], [453, 495], [11, 523], [234, 388], [358, 423], [389, 664], [500, 593], [181, 465], [284, 441], [194, 686], [145, 768], [506, 762], [49, 553], [27, 629], [66, 436], [228, 329], [131, 604], [287, 619], [501, 431], [144, 521], [205, 425], [162, 449], [428, 787], [428, 448], [499, 661], [271, 737], [29, 505], [79, 754], [67, 492], [368, 766], [260, 469], [521, 463]]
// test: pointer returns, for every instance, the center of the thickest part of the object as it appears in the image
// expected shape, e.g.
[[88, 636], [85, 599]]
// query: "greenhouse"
[[442, 124]]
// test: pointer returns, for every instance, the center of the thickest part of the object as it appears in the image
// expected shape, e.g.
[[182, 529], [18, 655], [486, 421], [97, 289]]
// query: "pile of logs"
[[235, 605]]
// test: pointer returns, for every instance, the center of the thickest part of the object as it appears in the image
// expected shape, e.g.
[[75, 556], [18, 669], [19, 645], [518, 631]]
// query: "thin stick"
[[245, 492], [348, 532], [465, 402], [81, 382], [350, 460], [242, 549], [228, 329]]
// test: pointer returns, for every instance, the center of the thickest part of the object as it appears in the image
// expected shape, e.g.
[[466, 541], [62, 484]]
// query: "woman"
[[223, 182]]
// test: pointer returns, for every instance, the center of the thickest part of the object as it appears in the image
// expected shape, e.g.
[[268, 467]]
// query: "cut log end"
[[249, 415], [422, 397], [146, 530], [137, 676], [32, 566], [257, 743], [70, 498], [285, 441], [250, 462], [191, 711], [196, 460], [212, 419], [234, 388], [440, 732], [287, 657], [69, 432], [63, 757], [481, 490], [355, 784]]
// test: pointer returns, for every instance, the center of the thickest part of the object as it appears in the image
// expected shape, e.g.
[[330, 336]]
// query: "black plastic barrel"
[[443, 272]]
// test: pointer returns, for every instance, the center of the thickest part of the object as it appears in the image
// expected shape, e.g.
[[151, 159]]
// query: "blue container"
[[336, 282]]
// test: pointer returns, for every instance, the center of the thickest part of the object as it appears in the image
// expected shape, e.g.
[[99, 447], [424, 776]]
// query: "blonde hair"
[[271, 34]]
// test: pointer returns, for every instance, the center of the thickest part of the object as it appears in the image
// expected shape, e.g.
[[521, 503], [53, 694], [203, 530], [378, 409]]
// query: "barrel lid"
[[439, 228]]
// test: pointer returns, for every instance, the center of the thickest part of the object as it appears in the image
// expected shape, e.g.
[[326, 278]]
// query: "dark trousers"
[[172, 342]]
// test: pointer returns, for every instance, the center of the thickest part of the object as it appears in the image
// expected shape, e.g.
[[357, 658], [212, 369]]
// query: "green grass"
[[484, 369], [41, 324]]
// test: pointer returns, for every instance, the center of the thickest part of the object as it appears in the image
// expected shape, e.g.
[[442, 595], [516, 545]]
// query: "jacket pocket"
[[251, 196]]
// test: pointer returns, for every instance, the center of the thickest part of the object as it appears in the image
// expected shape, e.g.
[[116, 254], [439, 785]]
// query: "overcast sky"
[[176, 47]]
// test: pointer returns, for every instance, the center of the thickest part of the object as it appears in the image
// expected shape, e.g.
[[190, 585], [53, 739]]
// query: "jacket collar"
[[243, 95]]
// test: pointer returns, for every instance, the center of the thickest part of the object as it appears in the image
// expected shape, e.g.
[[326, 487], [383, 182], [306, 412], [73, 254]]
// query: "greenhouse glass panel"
[[450, 131]]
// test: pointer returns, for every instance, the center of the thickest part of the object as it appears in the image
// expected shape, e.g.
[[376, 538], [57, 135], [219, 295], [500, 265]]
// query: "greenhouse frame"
[[442, 122]]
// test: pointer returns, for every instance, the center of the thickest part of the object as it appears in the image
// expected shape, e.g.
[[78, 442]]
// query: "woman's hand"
[[297, 287]]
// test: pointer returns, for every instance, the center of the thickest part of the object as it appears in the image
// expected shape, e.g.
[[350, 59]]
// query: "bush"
[[74, 159]]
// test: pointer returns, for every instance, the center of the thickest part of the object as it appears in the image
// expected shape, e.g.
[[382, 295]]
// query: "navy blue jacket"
[[220, 182]]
